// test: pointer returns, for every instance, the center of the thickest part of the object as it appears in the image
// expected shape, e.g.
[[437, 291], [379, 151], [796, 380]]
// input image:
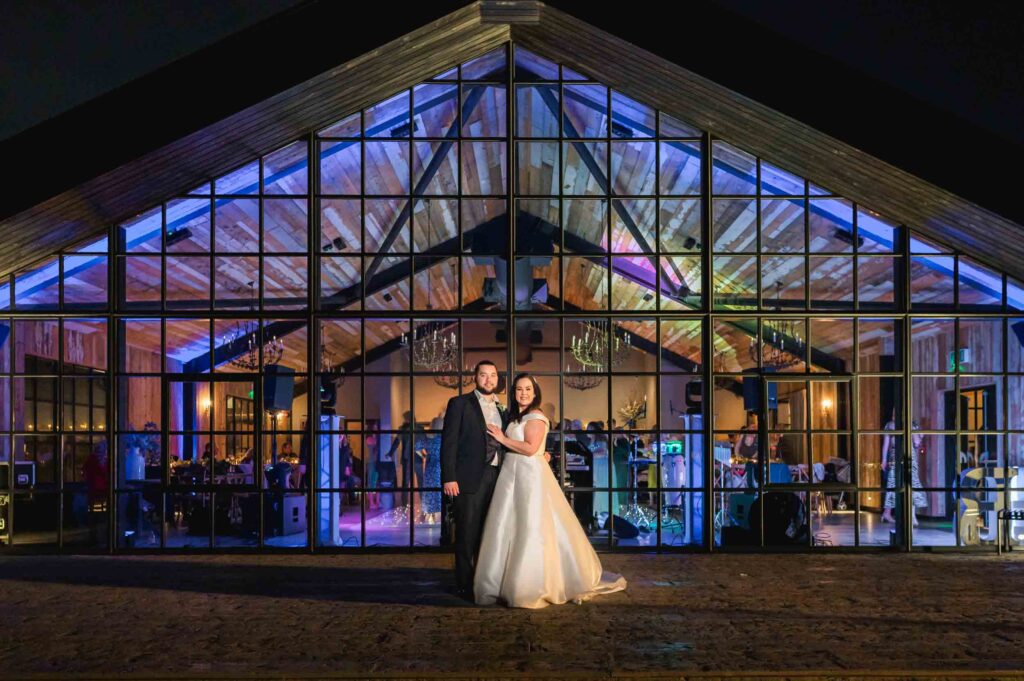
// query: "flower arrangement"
[[633, 411], [148, 440]]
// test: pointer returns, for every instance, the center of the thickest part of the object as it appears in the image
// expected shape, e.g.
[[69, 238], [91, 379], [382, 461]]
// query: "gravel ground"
[[293, 616]]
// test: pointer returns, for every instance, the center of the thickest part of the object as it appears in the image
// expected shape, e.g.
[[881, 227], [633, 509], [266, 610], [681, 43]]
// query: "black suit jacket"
[[464, 442]]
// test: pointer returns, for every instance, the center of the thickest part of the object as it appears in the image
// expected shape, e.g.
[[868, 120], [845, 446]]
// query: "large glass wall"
[[730, 355]]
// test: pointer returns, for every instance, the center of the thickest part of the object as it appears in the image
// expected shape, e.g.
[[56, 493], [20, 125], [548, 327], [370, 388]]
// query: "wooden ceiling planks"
[[775, 137]]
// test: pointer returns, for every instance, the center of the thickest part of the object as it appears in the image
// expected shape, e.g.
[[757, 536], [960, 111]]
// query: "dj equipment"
[[278, 387]]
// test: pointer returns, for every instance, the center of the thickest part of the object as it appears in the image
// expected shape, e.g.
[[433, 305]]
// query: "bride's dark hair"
[[514, 413]]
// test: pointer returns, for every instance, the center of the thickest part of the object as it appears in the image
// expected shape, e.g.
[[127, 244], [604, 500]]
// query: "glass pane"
[[633, 225], [585, 282], [734, 222], [831, 281], [875, 234], [584, 170], [735, 281], [680, 225], [237, 224], [537, 109], [830, 226], [735, 344], [980, 287], [486, 109], [782, 226], [782, 282], [877, 282], [436, 109], [142, 234], [389, 118], [537, 168], [680, 168], [681, 287], [340, 167], [880, 345], [630, 118], [586, 225], [831, 345], [879, 402], [931, 281], [188, 282], [188, 226], [484, 168], [435, 167], [340, 224], [38, 288], [932, 345], [386, 168], [633, 166], [85, 281], [586, 111], [681, 345], [285, 225], [982, 341], [732, 171]]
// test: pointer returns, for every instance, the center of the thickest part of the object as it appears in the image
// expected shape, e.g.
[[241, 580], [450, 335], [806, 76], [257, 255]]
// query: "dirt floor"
[[395, 616]]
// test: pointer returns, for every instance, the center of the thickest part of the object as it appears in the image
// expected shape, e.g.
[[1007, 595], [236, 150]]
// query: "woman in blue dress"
[[430, 447]]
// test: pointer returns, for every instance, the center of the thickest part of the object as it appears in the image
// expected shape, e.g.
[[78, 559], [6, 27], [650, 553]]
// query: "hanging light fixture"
[[581, 377], [244, 341], [598, 343], [453, 379], [432, 347], [330, 365], [783, 346]]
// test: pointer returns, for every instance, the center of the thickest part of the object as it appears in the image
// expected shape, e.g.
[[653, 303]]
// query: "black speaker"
[[278, 388], [752, 394], [328, 394], [621, 528]]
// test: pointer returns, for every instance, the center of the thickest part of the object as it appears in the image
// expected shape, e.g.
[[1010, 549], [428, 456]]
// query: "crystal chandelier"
[[432, 347], [591, 348], [330, 365], [782, 345], [244, 339]]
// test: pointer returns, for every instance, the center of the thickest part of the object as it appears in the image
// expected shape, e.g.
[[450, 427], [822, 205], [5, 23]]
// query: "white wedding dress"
[[534, 551]]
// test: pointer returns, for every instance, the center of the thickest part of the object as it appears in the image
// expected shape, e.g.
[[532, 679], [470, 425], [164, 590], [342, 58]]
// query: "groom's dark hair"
[[514, 413], [484, 363]]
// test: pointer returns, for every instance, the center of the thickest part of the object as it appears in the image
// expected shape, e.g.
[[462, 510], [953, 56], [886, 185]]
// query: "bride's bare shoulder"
[[537, 412]]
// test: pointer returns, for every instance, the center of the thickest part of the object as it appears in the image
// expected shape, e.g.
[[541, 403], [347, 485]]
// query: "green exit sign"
[[959, 359]]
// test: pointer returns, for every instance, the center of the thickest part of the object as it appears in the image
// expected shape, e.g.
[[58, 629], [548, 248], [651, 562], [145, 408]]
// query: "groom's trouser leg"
[[470, 513]]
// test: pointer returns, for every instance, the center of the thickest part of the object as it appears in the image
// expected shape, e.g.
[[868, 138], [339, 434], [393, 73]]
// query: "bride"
[[534, 551]]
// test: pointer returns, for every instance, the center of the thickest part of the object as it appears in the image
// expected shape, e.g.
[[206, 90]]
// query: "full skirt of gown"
[[534, 551]]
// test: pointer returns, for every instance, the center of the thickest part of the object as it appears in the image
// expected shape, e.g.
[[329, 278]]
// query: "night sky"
[[893, 77]]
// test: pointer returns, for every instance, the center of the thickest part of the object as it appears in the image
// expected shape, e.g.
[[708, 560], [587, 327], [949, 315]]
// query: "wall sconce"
[[205, 405], [826, 407]]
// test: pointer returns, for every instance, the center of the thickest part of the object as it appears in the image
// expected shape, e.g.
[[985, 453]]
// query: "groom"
[[470, 460]]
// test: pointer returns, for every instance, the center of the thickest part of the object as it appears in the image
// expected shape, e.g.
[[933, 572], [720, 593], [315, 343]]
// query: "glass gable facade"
[[731, 355]]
